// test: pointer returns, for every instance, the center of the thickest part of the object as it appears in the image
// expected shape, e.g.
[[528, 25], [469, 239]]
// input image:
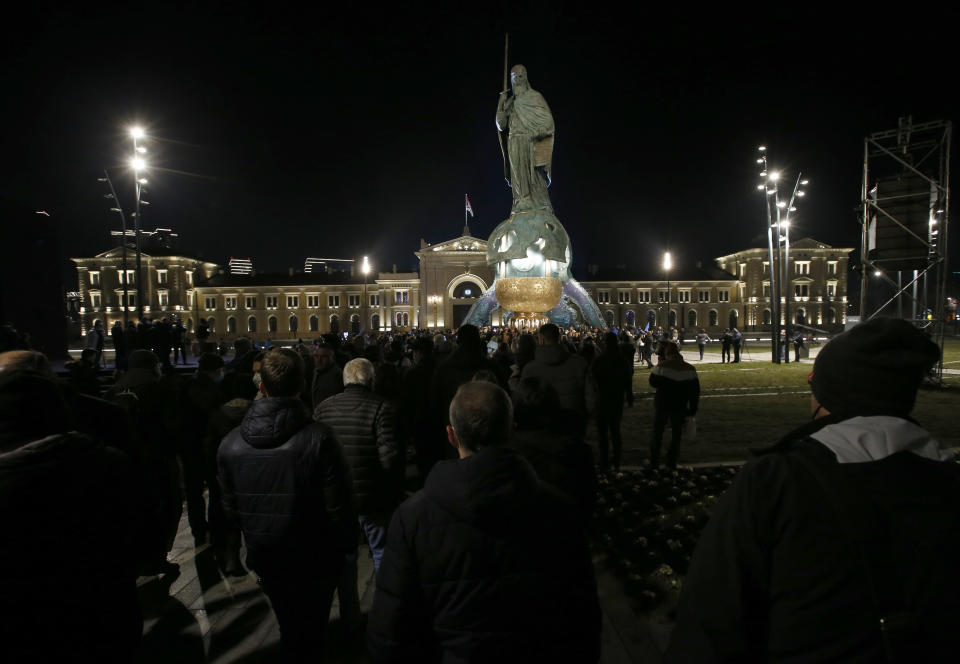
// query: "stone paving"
[[200, 616]]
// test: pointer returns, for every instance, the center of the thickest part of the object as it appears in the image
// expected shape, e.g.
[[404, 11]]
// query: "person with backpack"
[[840, 542]]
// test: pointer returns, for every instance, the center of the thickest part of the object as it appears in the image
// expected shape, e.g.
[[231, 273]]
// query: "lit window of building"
[[95, 279], [210, 302], [293, 301], [333, 300], [272, 301]]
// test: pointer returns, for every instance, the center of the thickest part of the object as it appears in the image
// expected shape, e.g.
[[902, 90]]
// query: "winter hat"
[[873, 369]]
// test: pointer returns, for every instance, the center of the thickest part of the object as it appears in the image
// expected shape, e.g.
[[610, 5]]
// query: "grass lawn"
[[755, 404]]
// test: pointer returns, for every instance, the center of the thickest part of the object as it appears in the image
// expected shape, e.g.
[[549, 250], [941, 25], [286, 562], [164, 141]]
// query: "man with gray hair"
[[364, 423], [487, 562]]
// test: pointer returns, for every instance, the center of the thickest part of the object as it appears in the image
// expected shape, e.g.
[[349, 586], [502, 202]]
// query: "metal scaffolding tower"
[[906, 210]]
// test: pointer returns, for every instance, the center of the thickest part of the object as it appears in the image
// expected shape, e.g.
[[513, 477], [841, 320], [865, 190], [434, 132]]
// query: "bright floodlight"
[[136, 132], [761, 186], [141, 149], [138, 164], [762, 148], [759, 161], [142, 180], [877, 273], [801, 193], [804, 182], [781, 204], [774, 176], [784, 224], [366, 266], [667, 264]]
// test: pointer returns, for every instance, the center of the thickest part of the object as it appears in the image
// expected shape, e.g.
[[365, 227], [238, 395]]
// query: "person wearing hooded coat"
[[486, 563], [840, 542], [68, 559]]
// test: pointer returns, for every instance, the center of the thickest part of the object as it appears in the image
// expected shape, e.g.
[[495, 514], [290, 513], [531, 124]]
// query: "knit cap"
[[874, 368]]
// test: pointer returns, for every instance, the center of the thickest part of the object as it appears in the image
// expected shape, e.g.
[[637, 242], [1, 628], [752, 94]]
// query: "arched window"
[[406, 320], [335, 324], [314, 323], [692, 318], [631, 319], [734, 317], [767, 317], [831, 316], [252, 324], [651, 318], [231, 324], [608, 316], [212, 324], [293, 323], [713, 317], [375, 322], [355, 324], [467, 289], [272, 324], [672, 318], [399, 319]]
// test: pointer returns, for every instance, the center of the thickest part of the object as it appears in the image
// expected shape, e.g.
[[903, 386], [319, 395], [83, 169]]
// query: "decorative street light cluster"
[[138, 165], [778, 222]]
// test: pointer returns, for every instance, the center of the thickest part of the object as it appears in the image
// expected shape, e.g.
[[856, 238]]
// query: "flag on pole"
[[469, 207]]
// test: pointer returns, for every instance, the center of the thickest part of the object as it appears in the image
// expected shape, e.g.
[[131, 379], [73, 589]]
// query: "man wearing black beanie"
[[839, 542]]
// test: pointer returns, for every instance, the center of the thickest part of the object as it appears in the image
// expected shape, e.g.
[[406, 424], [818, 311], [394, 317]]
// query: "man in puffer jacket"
[[486, 563], [840, 542], [678, 395], [286, 483]]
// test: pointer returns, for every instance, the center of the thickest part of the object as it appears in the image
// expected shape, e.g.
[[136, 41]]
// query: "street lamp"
[[435, 300], [123, 242], [366, 270], [667, 264], [138, 165]]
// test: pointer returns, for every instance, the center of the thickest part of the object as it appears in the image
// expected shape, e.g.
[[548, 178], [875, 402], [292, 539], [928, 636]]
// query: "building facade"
[[451, 276]]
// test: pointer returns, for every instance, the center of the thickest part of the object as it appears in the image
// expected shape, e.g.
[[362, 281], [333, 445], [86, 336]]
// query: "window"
[[703, 295], [766, 289], [335, 324], [692, 318], [801, 290], [353, 300], [128, 277], [251, 301], [723, 295], [603, 297], [662, 295], [272, 324], [831, 267], [313, 302], [163, 298], [212, 324], [375, 300], [230, 302], [743, 270], [252, 324], [293, 324], [644, 295], [315, 321], [161, 276], [713, 318], [231, 324], [831, 289], [766, 267], [402, 296], [333, 300], [767, 317], [272, 302], [375, 321], [131, 298], [623, 297], [210, 302], [831, 317], [683, 295], [189, 274], [94, 279], [672, 318], [354, 324], [293, 301], [95, 301], [802, 267]]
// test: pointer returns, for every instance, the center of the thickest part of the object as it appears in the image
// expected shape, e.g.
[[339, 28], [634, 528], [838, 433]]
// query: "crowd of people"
[[462, 463]]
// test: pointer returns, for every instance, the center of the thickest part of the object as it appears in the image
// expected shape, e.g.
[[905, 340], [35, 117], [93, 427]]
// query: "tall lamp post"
[[667, 264], [366, 270], [123, 254], [138, 166]]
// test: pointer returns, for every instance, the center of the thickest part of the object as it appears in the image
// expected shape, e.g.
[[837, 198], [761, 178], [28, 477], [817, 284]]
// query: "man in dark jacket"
[[67, 559], [486, 563], [364, 423], [677, 397], [568, 373], [726, 340], [286, 483], [327, 378], [416, 406], [613, 380], [840, 542]]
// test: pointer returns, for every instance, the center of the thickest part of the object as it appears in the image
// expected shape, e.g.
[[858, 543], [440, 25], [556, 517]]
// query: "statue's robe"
[[529, 147]]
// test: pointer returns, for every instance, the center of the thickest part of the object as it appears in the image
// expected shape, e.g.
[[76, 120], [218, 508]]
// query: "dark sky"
[[279, 133]]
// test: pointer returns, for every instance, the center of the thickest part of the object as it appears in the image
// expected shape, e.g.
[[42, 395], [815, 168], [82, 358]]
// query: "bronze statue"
[[526, 126]]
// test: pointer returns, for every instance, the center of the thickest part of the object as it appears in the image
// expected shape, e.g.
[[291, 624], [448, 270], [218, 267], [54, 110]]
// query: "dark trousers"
[[301, 600], [725, 353], [660, 419], [192, 468], [702, 348], [608, 429], [224, 534], [736, 352]]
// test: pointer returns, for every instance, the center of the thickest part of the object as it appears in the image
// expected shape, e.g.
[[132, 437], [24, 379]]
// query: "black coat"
[[613, 380], [287, 485], [364, 424], [485, 564]]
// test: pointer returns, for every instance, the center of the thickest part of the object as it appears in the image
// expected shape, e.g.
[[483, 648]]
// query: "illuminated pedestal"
[[530, 298]]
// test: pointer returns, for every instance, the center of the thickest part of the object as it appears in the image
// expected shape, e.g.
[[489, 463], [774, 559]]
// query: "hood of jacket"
[[863, 439], [488, 489], [552, 354], [271, 422]]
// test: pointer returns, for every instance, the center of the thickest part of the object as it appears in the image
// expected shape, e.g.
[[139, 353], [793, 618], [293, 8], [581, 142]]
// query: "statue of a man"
[[526, 125]]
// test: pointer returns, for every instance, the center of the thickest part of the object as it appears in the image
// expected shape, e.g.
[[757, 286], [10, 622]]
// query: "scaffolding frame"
[[921, 150]]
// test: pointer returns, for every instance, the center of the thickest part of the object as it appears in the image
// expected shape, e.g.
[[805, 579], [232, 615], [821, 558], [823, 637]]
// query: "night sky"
[[279, 134]]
